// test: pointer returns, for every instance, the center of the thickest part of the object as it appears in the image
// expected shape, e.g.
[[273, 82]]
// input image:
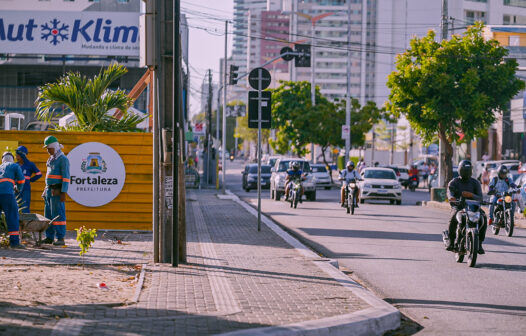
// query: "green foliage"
[[90, 100], [85, 237], [453, 86]]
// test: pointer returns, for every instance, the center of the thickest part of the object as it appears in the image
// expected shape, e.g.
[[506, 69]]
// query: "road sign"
[[302, 60], [199, 129], [236, 111], [259, 76], [287, 57], [346, 131], [266, 99]]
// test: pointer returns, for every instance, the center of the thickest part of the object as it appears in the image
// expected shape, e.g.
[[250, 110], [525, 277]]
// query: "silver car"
[[279, 175], [321, 174]]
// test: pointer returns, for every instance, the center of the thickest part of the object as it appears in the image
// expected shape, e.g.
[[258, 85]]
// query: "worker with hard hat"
[[31, 174], [57, 183], [11, 177]]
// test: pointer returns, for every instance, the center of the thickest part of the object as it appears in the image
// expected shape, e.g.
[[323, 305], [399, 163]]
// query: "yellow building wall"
[[504, 38], [130, 210]]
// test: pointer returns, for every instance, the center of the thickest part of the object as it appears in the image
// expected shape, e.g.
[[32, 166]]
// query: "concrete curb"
[[377, 320], [520, 222]]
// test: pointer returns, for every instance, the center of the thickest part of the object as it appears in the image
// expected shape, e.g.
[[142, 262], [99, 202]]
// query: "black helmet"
[[503, 172], [295, 165], [465, 169]]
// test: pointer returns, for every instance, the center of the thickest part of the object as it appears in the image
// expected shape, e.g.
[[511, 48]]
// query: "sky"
[[206, 21]]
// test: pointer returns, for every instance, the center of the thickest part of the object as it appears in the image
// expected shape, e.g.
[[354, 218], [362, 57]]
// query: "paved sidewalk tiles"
[[236, 278]]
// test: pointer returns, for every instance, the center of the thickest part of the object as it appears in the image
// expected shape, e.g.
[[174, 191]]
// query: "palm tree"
[[90, 100]]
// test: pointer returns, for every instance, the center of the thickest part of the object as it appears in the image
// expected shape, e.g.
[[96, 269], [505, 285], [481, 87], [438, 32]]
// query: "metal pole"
[[260, 84], [223, 142], [363, 51], [313, 84], [175, 132], [348, 96], [441, 172], [209, 127], [156, 169]]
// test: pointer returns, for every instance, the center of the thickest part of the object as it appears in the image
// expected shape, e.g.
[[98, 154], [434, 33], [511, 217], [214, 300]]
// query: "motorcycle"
[[295, 193], [469, 221], [350, 196], [413, 182], [503, 213]]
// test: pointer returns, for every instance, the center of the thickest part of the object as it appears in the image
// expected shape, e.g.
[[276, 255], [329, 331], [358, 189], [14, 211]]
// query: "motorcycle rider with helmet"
[[346, 176], [293, 173], [499, 184], [465, 186]]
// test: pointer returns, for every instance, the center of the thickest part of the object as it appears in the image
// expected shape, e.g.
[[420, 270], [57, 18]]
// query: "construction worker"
[[10, 177], [57, 183], [28, 169]]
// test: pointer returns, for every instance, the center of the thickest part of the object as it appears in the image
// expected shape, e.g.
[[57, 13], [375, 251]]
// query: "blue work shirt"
[[294, 174], [10, 175], [58, 171], [28, 169]]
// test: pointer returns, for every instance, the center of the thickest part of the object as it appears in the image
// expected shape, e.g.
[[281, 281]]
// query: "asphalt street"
[[397, 252]]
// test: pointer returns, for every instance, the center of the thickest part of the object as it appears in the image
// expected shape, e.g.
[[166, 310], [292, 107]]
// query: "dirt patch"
[[35, 285]]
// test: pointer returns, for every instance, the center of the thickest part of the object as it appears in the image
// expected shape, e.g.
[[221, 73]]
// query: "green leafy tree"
[[294, 117], [90, 100], [452, 87]]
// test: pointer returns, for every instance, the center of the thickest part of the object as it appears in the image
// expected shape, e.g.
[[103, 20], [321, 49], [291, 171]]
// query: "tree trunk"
[[323, 149], [447, 162]]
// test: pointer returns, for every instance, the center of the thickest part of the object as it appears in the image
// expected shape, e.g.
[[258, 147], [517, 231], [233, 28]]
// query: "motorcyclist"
[[348, 174], [413, 172], [464, 186], [499, 184], [293, 173]]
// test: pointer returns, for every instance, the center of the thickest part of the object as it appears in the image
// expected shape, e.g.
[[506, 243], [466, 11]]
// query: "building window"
[[515, 3], [123, 1], [473, 16], [478, 0], [514, 41]]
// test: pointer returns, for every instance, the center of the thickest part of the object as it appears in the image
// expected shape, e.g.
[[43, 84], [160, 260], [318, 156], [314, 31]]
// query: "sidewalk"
[[236, 279]]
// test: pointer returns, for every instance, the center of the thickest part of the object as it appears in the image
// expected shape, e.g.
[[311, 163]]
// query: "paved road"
[[397, 252]]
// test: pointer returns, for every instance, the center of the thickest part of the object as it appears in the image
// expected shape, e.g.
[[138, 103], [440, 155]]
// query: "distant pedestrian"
[[11, 177], [28, 169], [485, 157], [485, 179], [57, 183], [425, 172]]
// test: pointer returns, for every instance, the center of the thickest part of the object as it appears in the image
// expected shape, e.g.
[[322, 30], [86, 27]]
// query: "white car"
[[380, 184], [323, 179]]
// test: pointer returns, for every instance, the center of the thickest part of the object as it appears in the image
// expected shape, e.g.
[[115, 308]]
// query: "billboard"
[[69, 33]]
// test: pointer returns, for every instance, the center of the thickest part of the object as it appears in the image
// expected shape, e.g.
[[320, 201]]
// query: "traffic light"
[[303, 59], [233, 74]]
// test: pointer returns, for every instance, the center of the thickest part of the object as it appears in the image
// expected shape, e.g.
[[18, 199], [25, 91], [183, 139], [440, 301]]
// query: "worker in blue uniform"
[[11, 177], [28, 169], [57, 183]]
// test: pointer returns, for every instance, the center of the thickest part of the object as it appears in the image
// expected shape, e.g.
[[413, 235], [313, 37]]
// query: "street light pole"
[[223, 142], [348, 95], [313, 84]]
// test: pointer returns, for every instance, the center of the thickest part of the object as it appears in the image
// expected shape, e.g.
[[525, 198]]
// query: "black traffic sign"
[[265, 103], [259, 78], [303, 59], [285, 50]]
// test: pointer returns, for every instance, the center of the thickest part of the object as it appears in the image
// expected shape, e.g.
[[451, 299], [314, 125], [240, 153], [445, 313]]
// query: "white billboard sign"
[[69, 33], [97, 174]]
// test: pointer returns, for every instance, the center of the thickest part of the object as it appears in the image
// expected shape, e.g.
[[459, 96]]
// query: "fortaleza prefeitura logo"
[[97, 174]]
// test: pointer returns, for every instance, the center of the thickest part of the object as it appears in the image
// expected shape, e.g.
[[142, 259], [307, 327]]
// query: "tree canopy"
[[452, 87]]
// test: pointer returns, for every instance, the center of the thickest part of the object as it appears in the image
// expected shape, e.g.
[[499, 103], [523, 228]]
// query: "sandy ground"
[[34, 285]]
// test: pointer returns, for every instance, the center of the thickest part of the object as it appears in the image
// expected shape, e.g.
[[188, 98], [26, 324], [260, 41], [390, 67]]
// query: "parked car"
[[380, 184], [250, 177], [321, 175], [279, 174], [39, 126]]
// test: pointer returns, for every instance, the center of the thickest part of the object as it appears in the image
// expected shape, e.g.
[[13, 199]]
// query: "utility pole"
[[348, 95], [363, 52], [441, 149], [223, 142], [313, 84], [209, 127]]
